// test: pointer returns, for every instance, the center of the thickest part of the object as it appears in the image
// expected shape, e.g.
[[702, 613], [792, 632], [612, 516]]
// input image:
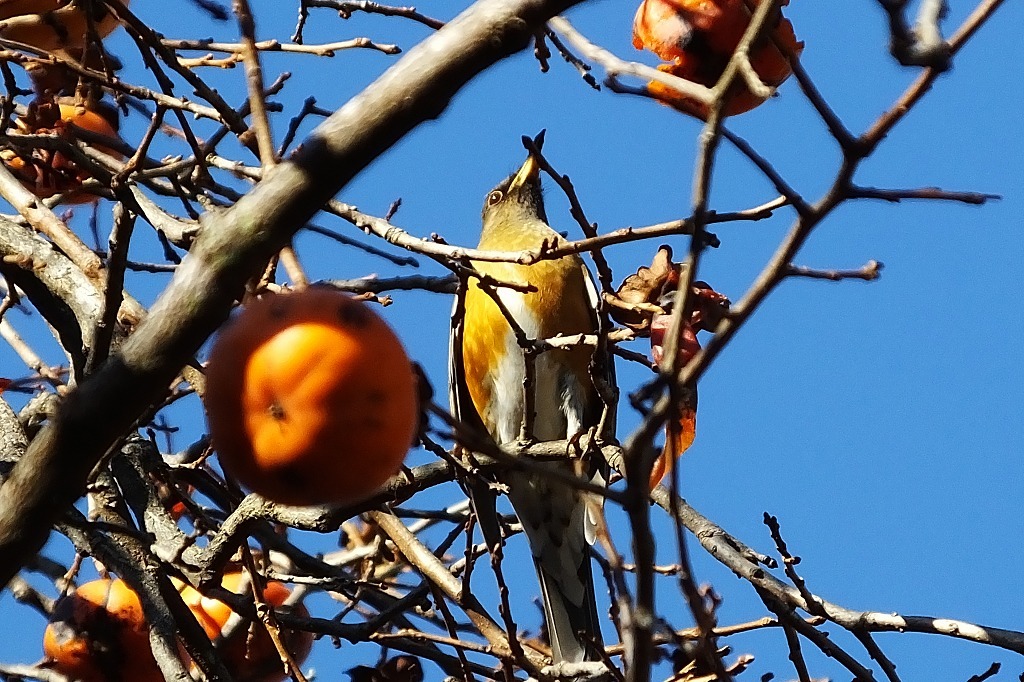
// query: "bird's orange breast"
[[493, 362]]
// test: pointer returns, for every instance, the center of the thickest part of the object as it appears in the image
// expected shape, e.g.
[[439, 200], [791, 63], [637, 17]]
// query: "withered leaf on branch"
[[646, 305], [651, 291], [642, 290]]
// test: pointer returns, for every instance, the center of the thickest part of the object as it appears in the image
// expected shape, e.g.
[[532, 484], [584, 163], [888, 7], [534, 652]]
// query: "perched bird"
[[487, 390]]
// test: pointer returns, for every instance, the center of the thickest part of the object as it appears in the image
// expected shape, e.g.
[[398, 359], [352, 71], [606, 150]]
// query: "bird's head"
[[517, 200]]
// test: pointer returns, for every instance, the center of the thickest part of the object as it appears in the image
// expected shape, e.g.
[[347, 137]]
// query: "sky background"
[[879, 421]]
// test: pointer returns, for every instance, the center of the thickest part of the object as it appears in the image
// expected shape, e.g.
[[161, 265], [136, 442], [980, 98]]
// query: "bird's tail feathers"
[[483, 503], [574, 631]]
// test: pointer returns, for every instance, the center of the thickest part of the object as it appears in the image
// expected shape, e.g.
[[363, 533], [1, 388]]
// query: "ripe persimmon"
[[311, 398], [14, 8], [55, 25], [246, 648], [45, 172], [98, 633], [698, 37]]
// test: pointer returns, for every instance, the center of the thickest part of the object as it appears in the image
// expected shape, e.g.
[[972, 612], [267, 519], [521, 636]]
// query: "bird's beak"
[[528, 174]]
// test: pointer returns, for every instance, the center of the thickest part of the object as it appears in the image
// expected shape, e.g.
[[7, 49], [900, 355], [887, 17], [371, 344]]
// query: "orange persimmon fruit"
[[246, 648], [98, 633], [698, 37], [311, 398], [663, 27], [45, 172], [14, 8], [55, 25]]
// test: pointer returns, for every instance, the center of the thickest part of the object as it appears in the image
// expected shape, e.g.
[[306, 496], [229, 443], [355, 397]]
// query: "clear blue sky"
[[880, 422]]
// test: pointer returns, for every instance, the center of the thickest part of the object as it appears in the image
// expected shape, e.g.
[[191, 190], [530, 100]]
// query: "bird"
[[487, 372]]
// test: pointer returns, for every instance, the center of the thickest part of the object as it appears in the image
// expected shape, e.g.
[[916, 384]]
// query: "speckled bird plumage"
[[488, 370]]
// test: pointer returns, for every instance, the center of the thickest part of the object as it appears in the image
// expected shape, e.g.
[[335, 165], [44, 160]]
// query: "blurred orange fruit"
[[311, 398], [98, 633], [246, 648], [46, 172], [55, 25]]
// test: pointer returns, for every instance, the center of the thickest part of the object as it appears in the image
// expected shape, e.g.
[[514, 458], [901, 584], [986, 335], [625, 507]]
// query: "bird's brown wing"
[[602, 364]]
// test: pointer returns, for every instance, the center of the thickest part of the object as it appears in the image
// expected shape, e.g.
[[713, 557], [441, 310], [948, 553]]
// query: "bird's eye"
[[494, 197]]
